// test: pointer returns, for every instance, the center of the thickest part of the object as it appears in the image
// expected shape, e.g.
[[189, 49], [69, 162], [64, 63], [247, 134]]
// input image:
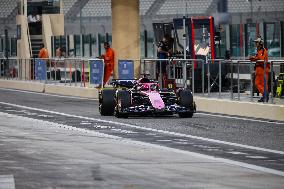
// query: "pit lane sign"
[[96, 73], [40, 69], [125, 69]]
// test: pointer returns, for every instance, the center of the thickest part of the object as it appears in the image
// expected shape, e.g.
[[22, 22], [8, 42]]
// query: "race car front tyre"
[[107, 102], [123, 100], [186, 100]]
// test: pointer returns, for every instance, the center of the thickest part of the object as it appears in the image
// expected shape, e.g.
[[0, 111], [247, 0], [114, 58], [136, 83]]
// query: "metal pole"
[[220, 81], [271, 81], [55, 71], [21, 69], [8, 68], [208, 79], [52, 47], [184, 74], [67, 49], [50, 70], [202, 77], [81, 70], [238, 80], [142, 70], [192, 84], [232, 92], [65, 71], [155, 69], [251, 82], [75, 73], [6, 50], [83, 74], [81, 45], [30, 69], [70, 72], [25, 69], [18, 70]]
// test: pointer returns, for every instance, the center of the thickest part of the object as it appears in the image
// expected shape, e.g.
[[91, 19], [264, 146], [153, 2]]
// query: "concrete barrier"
[[22, 85], [72, 91], [246, 109]]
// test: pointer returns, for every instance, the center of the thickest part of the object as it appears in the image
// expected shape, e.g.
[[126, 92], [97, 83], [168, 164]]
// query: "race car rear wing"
[[129, 83], [123, 83]]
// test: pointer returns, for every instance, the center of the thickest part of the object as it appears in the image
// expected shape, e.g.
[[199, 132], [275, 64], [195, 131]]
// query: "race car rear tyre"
[[107, 102], [123, 100], [186, 100]]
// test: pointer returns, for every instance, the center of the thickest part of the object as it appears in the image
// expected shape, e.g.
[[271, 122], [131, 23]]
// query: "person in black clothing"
[[164, 51], [165, 47]]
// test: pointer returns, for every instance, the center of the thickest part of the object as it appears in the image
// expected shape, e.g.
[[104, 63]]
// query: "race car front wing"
[[146, 109]]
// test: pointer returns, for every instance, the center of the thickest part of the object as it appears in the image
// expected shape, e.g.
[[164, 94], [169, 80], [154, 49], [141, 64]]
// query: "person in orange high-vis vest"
[[43, 53], [109, 62], [261, 54]]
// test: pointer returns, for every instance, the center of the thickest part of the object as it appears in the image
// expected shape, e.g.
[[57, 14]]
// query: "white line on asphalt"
[[47, 94], [241, 118], [129, 141], [151, 129], [98, 134], [228, 161], [7, 182]]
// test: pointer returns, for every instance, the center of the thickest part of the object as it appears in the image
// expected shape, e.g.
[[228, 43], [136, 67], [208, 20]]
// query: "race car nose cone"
[[156, 101], [158, 105]]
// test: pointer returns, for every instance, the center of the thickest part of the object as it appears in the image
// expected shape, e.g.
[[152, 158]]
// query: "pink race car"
[[143, 97]]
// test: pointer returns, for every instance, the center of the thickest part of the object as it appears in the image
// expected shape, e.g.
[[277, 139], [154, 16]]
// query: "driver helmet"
[[144, 87]]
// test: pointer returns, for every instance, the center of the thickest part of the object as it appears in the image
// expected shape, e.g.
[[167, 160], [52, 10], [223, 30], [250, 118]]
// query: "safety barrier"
[[237, 72], [217, 78], [56, 70]]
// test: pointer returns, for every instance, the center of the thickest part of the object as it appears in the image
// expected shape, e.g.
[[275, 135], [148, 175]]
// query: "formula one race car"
[[143, 97]]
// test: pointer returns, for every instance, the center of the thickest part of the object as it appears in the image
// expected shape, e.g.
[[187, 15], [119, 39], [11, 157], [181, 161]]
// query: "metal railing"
[[234, 72], [212, 78], [66, 71]]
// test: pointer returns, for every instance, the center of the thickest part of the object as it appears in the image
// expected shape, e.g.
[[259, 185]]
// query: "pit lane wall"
[[220, 106], [246, 109], [50, 88]]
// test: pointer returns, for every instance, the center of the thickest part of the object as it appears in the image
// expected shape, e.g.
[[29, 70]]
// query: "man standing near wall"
[[108, 61], [164, 51], [262, 57], [43, 53]]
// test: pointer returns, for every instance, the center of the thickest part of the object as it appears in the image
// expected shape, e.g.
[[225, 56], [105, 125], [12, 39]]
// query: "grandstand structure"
[[94, 16], [98, 12]]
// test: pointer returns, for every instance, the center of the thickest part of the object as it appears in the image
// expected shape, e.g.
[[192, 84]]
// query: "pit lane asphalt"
[[263, 134], [37, 154]]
